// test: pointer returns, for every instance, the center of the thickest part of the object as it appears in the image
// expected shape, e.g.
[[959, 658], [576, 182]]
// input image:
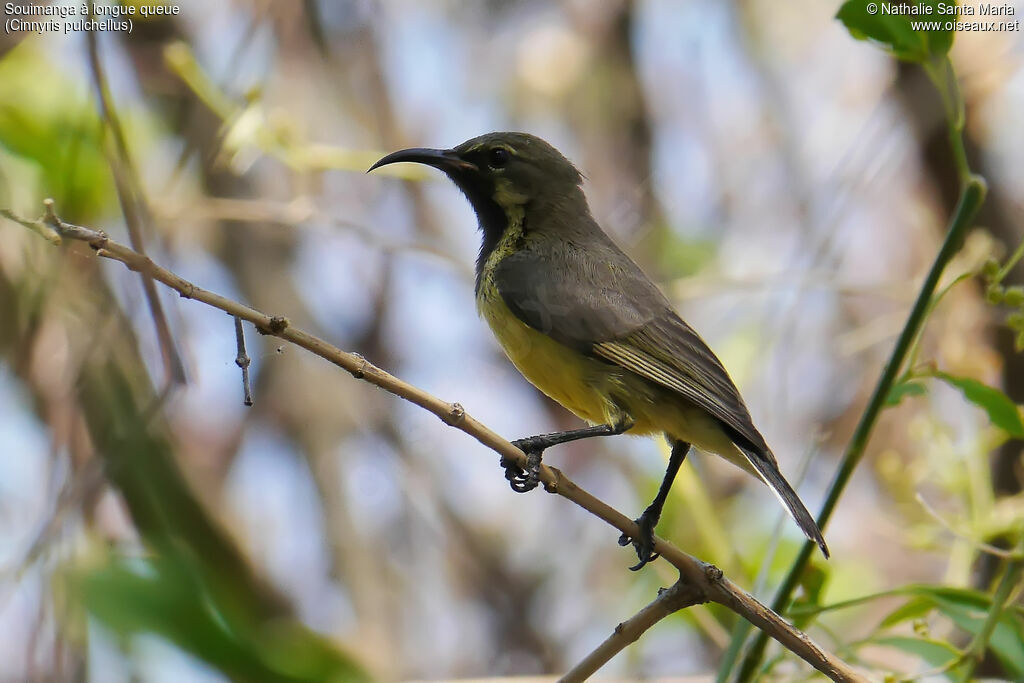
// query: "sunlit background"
[[786, 184]]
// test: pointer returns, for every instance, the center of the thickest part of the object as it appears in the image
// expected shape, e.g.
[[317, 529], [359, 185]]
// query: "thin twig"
[[699, 575], [948, 526], [133, 203], [242, 361], [681, 595], [36, 226]]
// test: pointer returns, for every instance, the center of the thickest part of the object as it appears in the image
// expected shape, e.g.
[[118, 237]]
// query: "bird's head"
[[501, 173]]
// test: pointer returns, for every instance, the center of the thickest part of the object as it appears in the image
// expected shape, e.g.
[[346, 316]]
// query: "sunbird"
[[583, 323]]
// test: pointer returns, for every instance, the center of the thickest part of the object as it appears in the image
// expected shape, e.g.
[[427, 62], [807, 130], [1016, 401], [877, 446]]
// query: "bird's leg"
[[522, 480], [644, 543]]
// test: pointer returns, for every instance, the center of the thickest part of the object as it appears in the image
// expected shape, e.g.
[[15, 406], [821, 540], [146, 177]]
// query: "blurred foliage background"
[[786, 184]]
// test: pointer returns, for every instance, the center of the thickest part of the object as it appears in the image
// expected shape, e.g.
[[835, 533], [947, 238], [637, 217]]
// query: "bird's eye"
[[497, 157]]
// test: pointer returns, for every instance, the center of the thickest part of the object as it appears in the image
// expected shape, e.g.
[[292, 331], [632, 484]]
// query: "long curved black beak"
[[443, 159]]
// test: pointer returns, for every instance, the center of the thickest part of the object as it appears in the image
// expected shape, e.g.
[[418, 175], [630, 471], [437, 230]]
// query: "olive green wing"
[[669, 352], [603, 305]]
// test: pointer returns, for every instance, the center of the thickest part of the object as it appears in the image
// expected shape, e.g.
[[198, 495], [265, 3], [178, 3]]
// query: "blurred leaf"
[[247, 127], [911, 609], [897, 33], [1002, 411], [1007, 640], [902, 390], [922, 601], [179, 59], [48, 122], [967, 609], [292, 649], [940, 41], [157, 597], [935, 653], [164, 595]]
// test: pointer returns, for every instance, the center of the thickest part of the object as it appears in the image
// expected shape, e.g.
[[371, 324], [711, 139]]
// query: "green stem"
[[976, 650], [971, 196], [915, 348], [942, 76], [739, 636], [1010, 263]]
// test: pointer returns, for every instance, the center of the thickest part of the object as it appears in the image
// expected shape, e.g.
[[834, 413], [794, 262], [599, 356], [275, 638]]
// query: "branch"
[[699, 578], [242, 361], [680, 596]]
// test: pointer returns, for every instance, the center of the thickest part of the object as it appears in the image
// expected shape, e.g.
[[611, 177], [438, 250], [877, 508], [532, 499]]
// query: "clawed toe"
[[644, 543], [523, 480]]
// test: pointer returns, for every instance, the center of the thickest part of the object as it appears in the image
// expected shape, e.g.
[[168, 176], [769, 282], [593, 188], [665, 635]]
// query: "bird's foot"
[[644, 543], [523, 480]]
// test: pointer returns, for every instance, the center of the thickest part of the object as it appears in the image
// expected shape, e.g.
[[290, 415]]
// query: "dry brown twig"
[[242, 360], [698, 581], [679, 596]]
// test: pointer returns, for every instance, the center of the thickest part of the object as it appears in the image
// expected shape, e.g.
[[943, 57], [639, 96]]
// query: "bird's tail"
[[769, 471]]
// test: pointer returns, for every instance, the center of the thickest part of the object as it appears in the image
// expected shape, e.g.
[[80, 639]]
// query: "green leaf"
[[900, 34], [166, 595], [50, 135], [902, 390], [1007, 640], [968, 609], [940, 41], [935, 653], [1002, 411], [158, 597], [911, 609], [1007, 643]]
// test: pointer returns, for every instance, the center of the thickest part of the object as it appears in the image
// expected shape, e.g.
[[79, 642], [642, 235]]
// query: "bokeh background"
[[787, 185]]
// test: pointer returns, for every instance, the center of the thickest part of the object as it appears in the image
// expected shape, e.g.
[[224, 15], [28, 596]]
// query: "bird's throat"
[[498, 244]]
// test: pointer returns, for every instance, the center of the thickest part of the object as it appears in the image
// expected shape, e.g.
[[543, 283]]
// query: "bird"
[[582, 322]]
